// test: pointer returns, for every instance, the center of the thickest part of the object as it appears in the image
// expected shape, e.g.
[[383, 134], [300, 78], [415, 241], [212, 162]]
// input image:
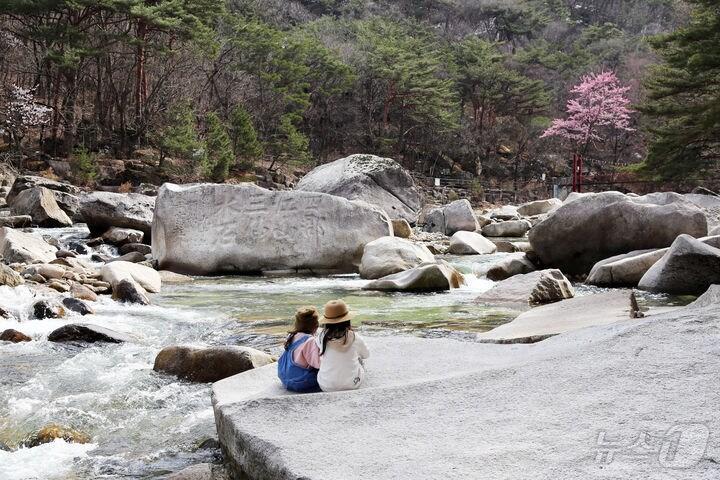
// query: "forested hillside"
[[463, 87]]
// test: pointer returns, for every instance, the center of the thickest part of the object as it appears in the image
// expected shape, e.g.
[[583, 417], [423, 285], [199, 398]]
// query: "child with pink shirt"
[[298, 366]]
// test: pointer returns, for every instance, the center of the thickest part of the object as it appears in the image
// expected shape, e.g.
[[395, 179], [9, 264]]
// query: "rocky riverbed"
[[108, 348]]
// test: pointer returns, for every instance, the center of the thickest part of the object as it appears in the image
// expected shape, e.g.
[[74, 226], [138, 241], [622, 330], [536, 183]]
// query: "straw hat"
[[336, 311]]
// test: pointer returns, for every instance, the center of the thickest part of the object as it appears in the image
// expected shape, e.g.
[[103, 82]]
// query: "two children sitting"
[[330, 361]]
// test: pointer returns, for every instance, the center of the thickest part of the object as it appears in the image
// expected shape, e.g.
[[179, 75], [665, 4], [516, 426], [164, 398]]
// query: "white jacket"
[[340, 366]]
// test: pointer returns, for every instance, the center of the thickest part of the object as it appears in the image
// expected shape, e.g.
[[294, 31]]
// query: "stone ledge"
[[469, 410]]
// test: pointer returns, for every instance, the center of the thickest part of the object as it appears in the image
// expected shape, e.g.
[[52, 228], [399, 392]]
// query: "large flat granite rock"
[[564, 316], [443, 409]]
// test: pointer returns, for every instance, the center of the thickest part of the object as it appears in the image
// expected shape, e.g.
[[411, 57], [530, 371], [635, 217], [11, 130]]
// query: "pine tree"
[[684, 96], [289, 144], [180, 139], [83, 165], [219, 148], [244, 137]]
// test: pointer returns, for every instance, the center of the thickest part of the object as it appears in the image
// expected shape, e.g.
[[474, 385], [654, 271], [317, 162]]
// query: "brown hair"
[[307, 320]]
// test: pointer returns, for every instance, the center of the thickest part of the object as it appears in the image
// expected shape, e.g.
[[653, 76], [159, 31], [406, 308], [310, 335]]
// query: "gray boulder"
[[627, 269], [136, 247], [205, 365], [20, 247], [593, 227], [40, 204], [624, 270], [454, 217], [539, 207], [378, 181], [688, 267], [86, 333], [508, 228], [535, 288], [388, 255], [66, 195], [16, 221], [511, 266], [120, 236], [505, 213], [26, 182], [471, 243], [102, 210], [210, 228], [431, 277]]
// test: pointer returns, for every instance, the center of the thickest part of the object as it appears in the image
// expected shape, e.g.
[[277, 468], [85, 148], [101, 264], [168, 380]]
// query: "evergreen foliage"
[[684, 97], [219, 149], [245, 143]]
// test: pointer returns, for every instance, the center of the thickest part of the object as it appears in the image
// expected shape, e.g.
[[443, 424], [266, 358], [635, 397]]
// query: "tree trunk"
[[70, 129], [140, 76]]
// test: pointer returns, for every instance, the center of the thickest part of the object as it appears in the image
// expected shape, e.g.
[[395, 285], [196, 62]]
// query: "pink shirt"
[[308, 354]]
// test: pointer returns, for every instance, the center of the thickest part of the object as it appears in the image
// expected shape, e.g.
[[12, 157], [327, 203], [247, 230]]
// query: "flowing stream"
[[144, 424]]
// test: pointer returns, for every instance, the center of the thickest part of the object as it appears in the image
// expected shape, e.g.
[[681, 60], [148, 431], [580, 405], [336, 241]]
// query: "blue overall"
[[294, 377]]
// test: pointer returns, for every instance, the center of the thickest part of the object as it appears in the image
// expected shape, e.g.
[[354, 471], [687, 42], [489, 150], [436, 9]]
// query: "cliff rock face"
[[211, 228]]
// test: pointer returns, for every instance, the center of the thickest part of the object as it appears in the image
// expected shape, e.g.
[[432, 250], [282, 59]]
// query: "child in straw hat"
[[299, 363], [341, 350]]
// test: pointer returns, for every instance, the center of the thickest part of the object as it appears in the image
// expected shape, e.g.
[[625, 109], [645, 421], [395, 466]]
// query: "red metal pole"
[[574, 173], [580, 173]]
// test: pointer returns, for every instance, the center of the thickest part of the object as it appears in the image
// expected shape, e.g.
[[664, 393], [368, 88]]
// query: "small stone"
[[9, 277], [135, 247], [132, 257], [36, 277], [401, 228], [65, 254], [46, 309], [77, 306], [127, 291], [14, 336], [82, 292], [120, 236], [97, 257], [77, 333], [171, 277], [49, 271], [59, 286], [52, 432]]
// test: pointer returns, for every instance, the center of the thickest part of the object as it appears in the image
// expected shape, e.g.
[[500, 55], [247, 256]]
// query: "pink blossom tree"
[[598, 111], [21, 113]]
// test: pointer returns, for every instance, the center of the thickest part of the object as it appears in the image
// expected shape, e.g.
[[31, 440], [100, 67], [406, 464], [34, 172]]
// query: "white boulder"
[[597, 226], [40, 204], [378, 181], [102, 210], [470, 243], [388, 255], [453, 217], [539, 207], [20, 247], [535, 288], [508, 228], [430, 277], [209, 228], [115, 272], [688, 267]]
